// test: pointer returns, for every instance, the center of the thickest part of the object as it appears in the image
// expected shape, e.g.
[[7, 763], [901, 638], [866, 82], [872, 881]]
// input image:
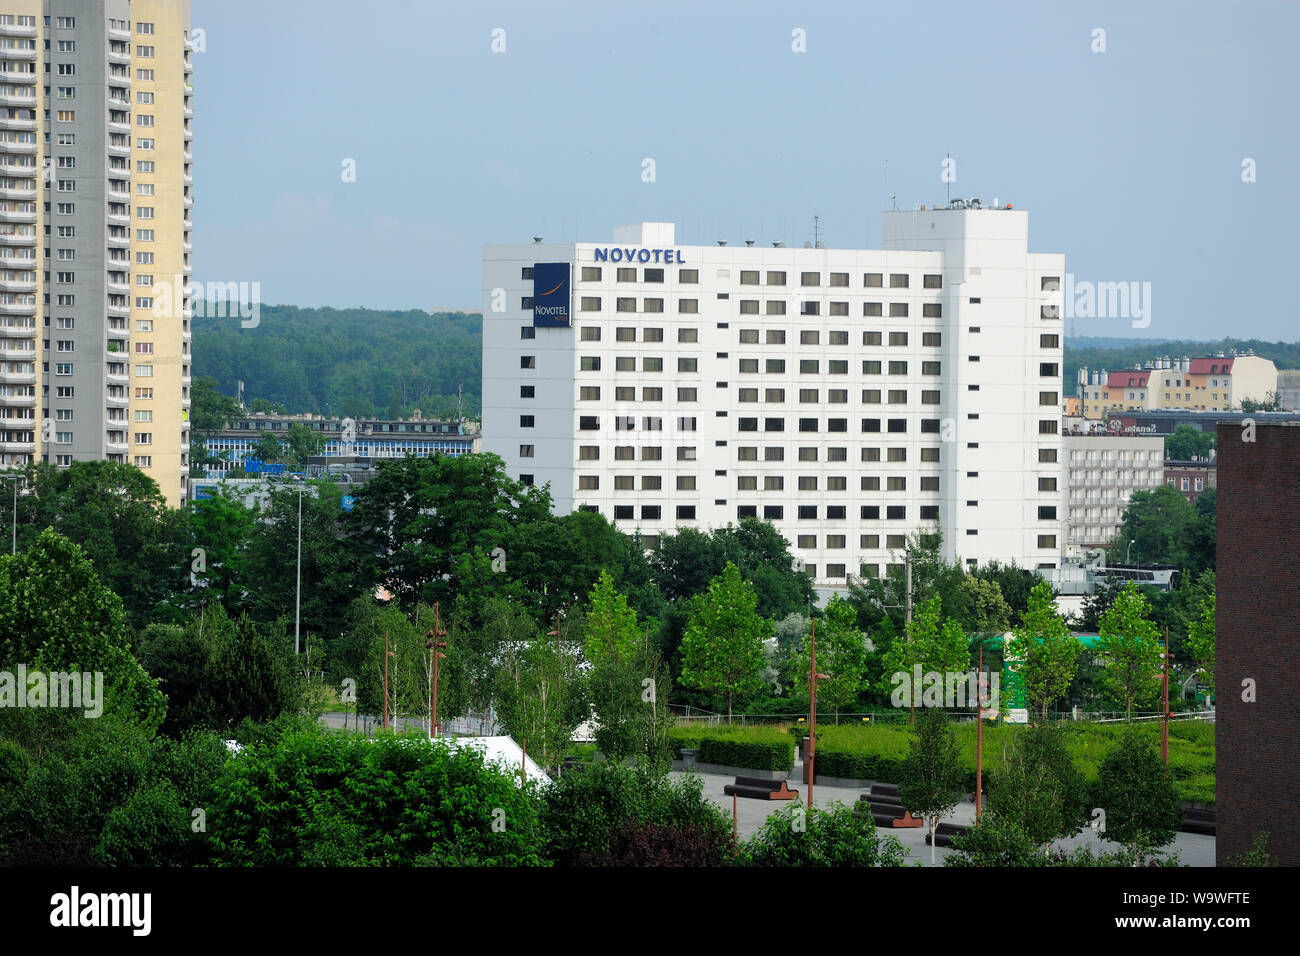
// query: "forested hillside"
[[358, 362]]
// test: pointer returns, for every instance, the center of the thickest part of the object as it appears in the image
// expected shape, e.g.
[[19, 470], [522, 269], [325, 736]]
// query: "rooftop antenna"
[[887, 192], [949, 185], [817, 231], [460, 395]]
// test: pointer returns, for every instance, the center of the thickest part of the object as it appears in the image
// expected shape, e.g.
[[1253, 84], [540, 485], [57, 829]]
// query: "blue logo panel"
[[552, 294]]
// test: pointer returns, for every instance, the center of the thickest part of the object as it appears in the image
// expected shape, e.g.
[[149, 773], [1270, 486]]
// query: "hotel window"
[[775, 307], [897, 338], [896, 454], [932, 281], [687, 364], [810, 308], [1048, 426], [528, 361], [776, 278], [589, 274], [871, 396], [588, 393], [1049, 341], [624, 393], [652, 482], [931, 310], [652, 394], [837, 396], [688, 335], [806, 541], [625, 334], [873, 309], [589, 333], [749, 307], [932, 338], [776, 336], [747, 453], [652, 364], [688, 306], [748, 277], [773, 483], [749, 336], [837, 454], [1046, 398], [590, 303], [873, 280], [871, 454], [871, 338], [774, 424], [588, 482], [898, 310], [810, 278], [1047, 541], [809, 367], [837, 337], [897, 368], [689, 276], [1047, 455], [839, 308], [775, 366], [526, 451], [687, 423], [930, 368], [898, 280], [626, 305], [589, 423], [809, 337], [626, 275], [654, 275], [840, 279], [807, 482], [1046, 484], [654, 305], [525, 331], [774, 453], [774, 395], [870, 368]]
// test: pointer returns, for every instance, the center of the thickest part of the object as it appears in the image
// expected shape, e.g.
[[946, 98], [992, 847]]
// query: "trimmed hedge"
[[876, 752], [753, 748]]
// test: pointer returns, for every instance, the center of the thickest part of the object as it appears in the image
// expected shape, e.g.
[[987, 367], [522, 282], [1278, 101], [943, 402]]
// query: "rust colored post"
[[812, 717], [1164, 733], [979, 737]]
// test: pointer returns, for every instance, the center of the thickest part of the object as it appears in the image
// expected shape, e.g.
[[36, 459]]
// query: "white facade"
[[849, 396], [1101, 473]]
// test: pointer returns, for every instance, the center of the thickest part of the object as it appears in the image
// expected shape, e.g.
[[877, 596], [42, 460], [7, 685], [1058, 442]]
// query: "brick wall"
[[1258, 637]]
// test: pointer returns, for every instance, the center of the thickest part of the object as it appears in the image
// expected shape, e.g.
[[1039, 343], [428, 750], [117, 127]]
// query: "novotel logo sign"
[[617, 254]]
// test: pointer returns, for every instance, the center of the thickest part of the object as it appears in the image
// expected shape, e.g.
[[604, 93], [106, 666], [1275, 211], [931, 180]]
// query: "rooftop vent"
[[537, 238], [749, 242], [722, 242], [778, 244]]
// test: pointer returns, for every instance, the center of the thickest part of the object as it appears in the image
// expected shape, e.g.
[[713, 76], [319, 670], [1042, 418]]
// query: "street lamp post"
[[297, 601], [435, 645], [1128, 551]]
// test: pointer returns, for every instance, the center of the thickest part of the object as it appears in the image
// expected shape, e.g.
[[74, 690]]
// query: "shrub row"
[[754, 748]]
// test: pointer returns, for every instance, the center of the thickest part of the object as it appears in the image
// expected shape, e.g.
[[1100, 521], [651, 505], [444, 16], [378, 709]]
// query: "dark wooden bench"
[[887, 809], [946, 831], [756, 788], [1198, 820]]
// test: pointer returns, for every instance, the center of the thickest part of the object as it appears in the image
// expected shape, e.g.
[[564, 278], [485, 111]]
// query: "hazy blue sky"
[[1129, 161]]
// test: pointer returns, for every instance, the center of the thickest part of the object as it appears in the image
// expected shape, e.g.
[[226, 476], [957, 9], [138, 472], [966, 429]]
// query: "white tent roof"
[[502, 750]]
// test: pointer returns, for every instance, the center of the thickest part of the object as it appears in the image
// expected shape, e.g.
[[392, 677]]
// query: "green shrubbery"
[[795, 836], [754, 748]]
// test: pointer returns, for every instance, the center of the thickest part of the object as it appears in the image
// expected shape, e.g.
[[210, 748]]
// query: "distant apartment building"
[[848, 396], [1257, 630], [1213, 383], [1288, 389], [367, 438], [1192, 478], [95, 198], [1101, 473]]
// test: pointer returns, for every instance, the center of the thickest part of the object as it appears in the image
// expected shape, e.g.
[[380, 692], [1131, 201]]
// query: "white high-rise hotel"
[[848, 396]]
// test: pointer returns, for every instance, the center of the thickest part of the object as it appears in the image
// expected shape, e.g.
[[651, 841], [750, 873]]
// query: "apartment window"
[[144, 438], [143, 394], [528, 361], [1048, 426], [146, 75], [1046, 398], [688, 306], [65, 93], [873, 280], [773, 512], [66, 116], [898, 280], [1047, 541], [1046, 484], [144, 235], [1046, 455], [809, 366], [873, 310], [776, 336], [686, 395], [931, 368], [588, 423], [63, 322], [898, 310], [67, 185], [144, 348], [144, 51], [870, 368], [810, 308], [144, 144]]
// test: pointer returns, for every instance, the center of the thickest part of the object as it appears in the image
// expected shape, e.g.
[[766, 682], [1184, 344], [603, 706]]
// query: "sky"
[[1129, 148]]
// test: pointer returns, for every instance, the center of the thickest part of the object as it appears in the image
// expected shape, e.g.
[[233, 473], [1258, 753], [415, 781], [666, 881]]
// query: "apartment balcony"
[[119, 102], [189, 112], [117, 378], [118, 242], [187, 247], [18, 401], [121, 288], [12, 146], [18, 355], [189, 157], [19, 378], [22, 102], [114, 308], [11, 421], [189, 201], [116, 446], [119, 56], [119, 195], [19, 54], [23, 125], [13, 30], [11, 76], [17, 169], [7, 216], [116, 401], [117, 149], [18, 308], [24, 195], [118, 33], [18, 446], [114, 218], [10, 285], [17, 239]]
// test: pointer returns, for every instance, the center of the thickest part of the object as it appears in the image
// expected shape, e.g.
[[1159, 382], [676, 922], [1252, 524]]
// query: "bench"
[[887, 810], [756, 788], [946, 831], [1199, 820]]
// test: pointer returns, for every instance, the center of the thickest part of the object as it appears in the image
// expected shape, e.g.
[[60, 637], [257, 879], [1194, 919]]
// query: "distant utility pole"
[[908, 599]]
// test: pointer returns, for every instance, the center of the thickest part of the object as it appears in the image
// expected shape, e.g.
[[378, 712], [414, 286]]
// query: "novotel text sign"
[[551, 294], [623, 254]]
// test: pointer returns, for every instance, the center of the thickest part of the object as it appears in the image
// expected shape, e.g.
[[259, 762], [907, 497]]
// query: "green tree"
[[1039, 790], [303, 443], [221, 529], [723, 646], [629, 693], [57, 616], [841, 656], [1048, 652], [268, 449], [1200, 641], [1188, 441], [210, 411], [937, 645], [611, 625], [1130, 650], [539, 696], [932, 778], [248, 677], [1136, 792], [835, 836], [987, 612]]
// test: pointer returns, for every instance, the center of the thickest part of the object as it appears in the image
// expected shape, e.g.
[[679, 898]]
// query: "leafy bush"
[[795, 836], [316, 798], [754, 748], [610, 814]]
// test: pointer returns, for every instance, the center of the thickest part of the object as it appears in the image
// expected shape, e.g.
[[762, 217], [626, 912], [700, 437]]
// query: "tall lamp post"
[[297, 600], [433, 643], [813, 678], [1128, 551]]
